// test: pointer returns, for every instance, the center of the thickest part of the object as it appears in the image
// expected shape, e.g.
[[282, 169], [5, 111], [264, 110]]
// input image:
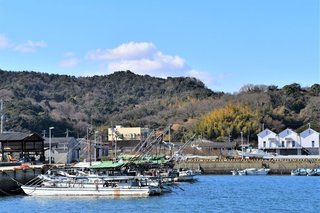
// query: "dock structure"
[[13, 175], [21, 146], [225, 166]]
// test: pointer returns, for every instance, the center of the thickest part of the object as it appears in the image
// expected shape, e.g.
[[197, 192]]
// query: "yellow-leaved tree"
[[230, 120]]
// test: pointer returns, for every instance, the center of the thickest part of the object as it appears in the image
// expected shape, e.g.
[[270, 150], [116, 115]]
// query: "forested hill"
[[35, 101]]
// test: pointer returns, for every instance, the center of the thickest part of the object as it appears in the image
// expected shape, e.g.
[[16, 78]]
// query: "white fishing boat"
[[251, 171], [235, 172], [93, 186], [184, 176], [299, 172], [314, 172], [255, 153]]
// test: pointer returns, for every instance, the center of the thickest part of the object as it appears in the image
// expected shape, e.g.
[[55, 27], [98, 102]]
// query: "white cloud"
[[4, 42], [69, 54], [26, 47], [131, 50], [142, 58], [69, 61], [211, 80], [30, 46], [206, 76], [158, 66]]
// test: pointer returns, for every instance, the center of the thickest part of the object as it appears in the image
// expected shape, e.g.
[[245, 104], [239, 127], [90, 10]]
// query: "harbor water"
[[209, 194]]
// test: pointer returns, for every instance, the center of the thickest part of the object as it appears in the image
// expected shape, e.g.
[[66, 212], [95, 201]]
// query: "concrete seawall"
[[11, 178], [277, 167]]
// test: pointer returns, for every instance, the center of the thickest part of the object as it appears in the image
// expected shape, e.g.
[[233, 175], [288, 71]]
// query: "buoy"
[[24, 166]]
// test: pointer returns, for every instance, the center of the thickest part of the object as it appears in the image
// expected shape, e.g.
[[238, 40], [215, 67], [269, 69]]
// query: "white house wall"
[[288, 137], [269, 137], [307, 142]]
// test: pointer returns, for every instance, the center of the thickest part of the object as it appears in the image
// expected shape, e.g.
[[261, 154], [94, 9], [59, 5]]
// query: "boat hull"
[[78, 191], [251, 171], [184, 178]]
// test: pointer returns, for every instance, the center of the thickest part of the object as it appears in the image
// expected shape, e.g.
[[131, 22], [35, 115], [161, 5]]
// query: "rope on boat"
[[178, 187], [36, 180], [14, 180], [19, 184], [4, 192]]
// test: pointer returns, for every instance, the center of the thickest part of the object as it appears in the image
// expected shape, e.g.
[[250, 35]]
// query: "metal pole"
[[95, 145], [87, 142], [2, 116], [90, 160], [241, 145], [115, 149], [50, 128], [169, 134]]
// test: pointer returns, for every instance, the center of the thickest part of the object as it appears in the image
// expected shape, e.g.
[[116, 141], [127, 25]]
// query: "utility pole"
[[90, 158], [88, 143], [50, 146], [169, 133], [95, 145], [2, 116]]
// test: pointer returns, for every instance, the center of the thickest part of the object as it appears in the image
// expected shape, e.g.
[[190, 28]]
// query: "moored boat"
[[299, 172], [185, 176], [93, 186], [179, 175], [313, 172], [251, 171]]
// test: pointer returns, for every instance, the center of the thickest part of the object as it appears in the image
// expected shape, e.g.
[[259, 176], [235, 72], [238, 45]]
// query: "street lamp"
[[241, 145], [50, 128]]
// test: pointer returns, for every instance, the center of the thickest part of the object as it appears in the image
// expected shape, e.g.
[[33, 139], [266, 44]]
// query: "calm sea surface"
[[209, 194]]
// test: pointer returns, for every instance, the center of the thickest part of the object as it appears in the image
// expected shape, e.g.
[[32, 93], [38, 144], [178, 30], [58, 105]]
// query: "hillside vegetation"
[[35, 101]]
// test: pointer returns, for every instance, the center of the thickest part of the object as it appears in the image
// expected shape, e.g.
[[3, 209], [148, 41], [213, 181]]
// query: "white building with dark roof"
[[289, 139], [310, 140], [289, 142], [267, 139]]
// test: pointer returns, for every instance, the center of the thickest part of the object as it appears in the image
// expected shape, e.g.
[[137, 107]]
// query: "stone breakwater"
[[277, 167]]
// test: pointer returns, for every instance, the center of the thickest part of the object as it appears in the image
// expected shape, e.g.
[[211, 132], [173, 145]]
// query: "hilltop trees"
[[34, 101], [122, 98]]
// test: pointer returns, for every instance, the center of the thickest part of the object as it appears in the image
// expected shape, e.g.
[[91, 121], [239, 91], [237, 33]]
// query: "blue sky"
[[224, 43]]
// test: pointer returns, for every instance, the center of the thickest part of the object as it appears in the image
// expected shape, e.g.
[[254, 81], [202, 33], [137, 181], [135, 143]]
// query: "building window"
[[293, 143], [264, 144], [282, 143], [312, 143]]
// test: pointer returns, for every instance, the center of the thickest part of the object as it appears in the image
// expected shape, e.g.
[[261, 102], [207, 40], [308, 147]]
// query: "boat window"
[[264, 144], [293, 143], [312, 143], [282, 143]]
